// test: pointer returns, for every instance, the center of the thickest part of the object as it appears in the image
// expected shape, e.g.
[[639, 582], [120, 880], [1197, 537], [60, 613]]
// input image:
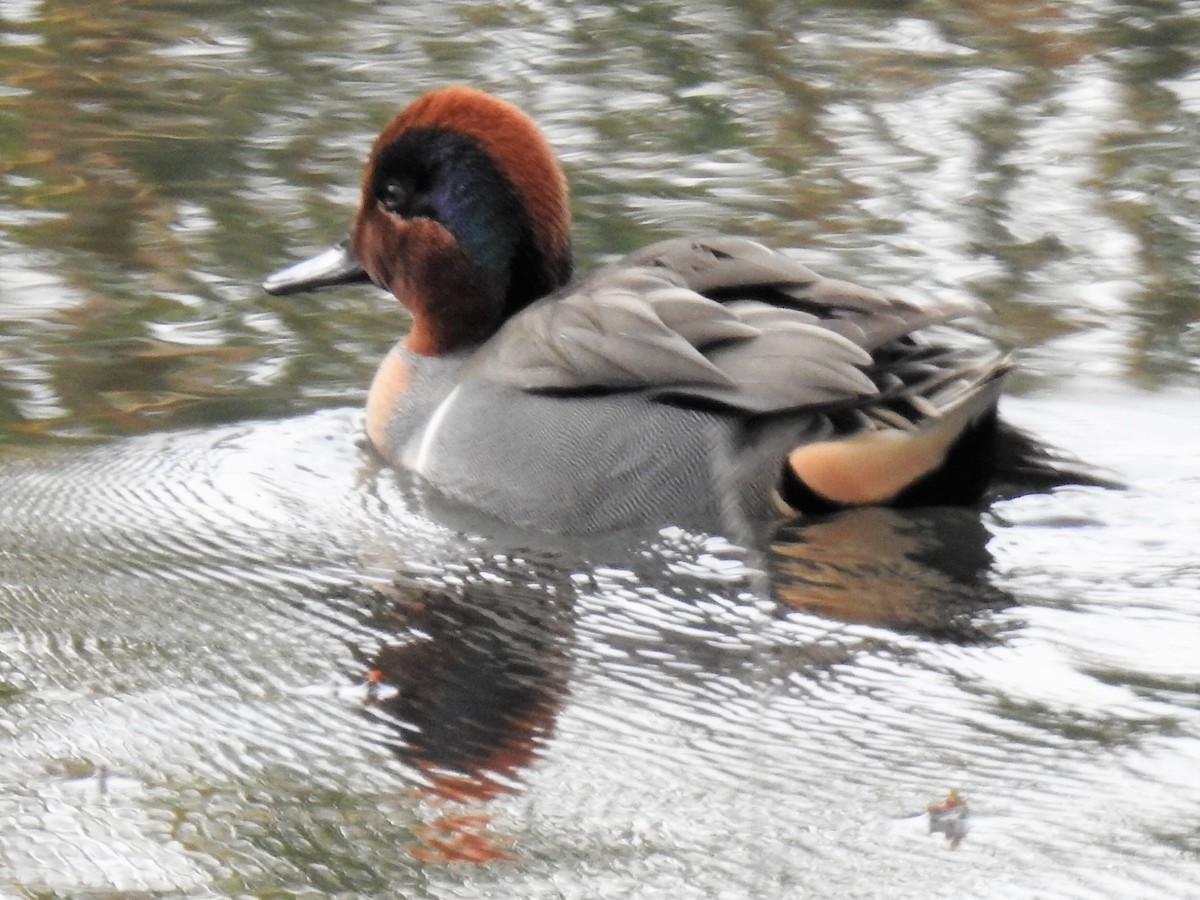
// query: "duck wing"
[[723, 321]]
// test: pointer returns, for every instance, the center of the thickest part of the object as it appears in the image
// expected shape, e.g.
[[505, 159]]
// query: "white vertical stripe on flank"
[[425, 448]]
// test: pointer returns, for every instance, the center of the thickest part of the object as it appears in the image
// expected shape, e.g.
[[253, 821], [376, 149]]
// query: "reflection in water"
[[471, 679], [473, 683], [131, 144], [471, 676], [178, 610], [924, 570]]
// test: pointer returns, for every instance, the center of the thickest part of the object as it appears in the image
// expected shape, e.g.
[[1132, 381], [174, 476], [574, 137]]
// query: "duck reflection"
[[924, 571], [470, 677]]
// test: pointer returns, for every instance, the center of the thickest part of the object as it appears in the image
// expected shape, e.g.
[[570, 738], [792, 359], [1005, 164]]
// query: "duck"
[[702, 381]]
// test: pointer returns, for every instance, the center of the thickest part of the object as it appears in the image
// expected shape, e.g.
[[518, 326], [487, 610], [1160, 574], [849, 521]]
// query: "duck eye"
[[395, 196]]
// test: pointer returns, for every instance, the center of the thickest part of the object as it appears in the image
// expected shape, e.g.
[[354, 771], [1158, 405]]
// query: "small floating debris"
[[948, 816]]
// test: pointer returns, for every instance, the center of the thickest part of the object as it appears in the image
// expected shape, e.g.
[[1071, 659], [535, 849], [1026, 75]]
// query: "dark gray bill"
[[335, 266]]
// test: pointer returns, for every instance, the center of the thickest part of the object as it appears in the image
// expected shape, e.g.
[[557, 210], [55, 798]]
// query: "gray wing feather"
[[644, 323], [788, 370], [721, 262]]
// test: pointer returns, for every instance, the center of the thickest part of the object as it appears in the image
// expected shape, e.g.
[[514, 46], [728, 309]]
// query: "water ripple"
[[238, 659]]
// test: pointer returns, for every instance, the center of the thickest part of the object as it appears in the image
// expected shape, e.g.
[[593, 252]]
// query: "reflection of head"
[[472, 679]]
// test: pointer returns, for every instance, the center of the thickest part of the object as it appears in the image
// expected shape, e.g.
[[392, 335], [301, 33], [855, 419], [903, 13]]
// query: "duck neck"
[[455, 303]]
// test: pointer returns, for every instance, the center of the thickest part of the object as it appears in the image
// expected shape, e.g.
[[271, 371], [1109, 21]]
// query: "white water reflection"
[[236, 658]]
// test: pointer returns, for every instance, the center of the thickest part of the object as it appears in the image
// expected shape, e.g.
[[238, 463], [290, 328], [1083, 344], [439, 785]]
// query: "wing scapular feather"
[[684, 320]]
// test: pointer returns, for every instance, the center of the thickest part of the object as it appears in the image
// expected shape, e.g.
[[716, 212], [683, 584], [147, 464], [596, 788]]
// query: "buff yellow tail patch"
[[872, 467]]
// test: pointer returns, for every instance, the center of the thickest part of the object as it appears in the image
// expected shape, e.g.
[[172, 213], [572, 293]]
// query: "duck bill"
[[334, 267]]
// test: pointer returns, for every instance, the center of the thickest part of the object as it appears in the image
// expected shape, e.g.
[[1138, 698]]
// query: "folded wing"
[[727, 321]]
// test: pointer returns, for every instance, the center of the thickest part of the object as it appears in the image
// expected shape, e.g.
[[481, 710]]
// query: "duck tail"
[[1026, 465]]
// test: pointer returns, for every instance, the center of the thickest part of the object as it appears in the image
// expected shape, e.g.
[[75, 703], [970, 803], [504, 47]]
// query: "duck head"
[[463, 217]]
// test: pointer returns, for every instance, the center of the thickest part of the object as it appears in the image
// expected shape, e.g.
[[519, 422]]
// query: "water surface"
[[238, 659]]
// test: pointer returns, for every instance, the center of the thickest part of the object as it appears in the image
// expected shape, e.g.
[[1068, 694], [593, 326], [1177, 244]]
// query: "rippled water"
[[237, 659]]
